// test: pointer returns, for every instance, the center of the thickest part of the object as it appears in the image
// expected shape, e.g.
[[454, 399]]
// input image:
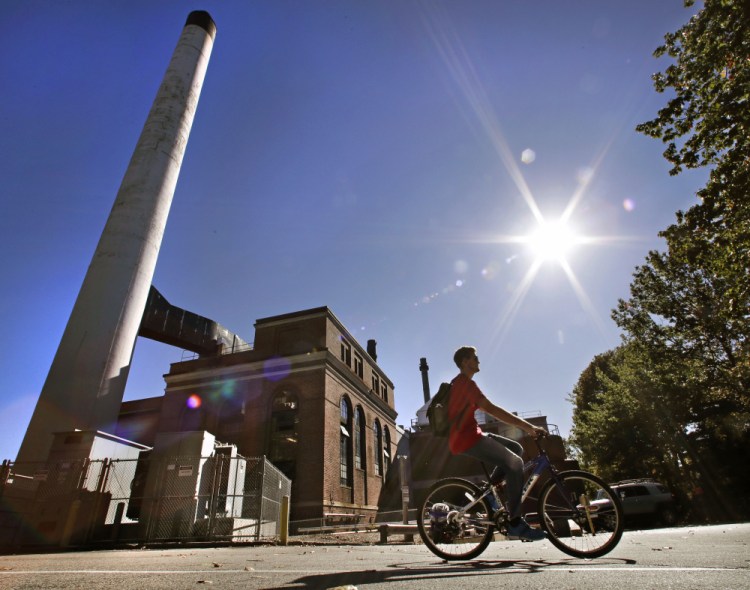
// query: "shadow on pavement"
[[441, 570]]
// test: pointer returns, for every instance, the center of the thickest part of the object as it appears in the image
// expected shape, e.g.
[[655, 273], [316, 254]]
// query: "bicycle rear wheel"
[[450, 526], [581, 514]]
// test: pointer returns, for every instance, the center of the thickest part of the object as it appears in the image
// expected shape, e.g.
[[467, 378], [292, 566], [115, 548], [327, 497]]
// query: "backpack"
[[437, 411]]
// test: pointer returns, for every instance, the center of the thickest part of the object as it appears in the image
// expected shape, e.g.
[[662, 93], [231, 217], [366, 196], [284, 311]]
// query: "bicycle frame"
[[539, 464], [536, 466]]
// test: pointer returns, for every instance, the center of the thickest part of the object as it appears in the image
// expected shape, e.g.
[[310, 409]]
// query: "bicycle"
[[580, 513]]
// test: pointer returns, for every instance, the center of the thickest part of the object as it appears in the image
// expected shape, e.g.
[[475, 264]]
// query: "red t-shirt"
[[464, 400]]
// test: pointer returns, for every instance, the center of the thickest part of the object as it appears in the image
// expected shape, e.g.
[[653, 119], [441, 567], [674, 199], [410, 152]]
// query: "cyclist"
[[466, 438]]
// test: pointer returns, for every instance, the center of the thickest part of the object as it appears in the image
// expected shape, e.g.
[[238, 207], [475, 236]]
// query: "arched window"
[[378, 434], [359, 439], [386, 450], [345, 443], [284, 435]]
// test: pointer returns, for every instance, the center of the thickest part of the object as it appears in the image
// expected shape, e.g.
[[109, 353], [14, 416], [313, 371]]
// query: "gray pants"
[[505, 454]]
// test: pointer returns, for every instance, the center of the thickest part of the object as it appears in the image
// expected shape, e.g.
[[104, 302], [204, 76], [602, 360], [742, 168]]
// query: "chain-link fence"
[[147, 500]]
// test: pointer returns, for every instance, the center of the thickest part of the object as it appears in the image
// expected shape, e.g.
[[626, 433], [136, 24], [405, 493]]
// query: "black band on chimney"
[[202, 19], [423, 368], [372, 349]]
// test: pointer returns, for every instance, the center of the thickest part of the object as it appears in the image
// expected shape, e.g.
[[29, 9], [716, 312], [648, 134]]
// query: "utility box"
[[193, 486], [222, 484], [172, 492]]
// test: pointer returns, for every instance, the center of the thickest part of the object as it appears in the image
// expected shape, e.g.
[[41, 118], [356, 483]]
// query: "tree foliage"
[[710, 83], [676, 394], [706, 122]]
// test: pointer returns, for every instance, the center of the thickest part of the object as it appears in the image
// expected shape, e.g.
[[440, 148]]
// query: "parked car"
[[646, 499]]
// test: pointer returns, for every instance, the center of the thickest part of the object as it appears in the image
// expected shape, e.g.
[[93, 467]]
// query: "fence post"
[[119, 512], [404, 489], [284, 521], [262, 498], [214, 493], [70, 523]]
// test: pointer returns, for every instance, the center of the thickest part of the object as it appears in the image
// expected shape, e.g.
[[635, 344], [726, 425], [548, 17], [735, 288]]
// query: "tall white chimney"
[[86, 382]]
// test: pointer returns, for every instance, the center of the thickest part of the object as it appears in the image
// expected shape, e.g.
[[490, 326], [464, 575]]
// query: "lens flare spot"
[[491, 271], [459, 283], [277, 368], [584, 175], [460, 266], [528, 156], [590, 84], [227, 389], [628, 205], [194, 402]]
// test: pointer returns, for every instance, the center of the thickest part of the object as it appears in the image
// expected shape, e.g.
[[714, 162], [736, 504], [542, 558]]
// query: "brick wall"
[[300, 353]]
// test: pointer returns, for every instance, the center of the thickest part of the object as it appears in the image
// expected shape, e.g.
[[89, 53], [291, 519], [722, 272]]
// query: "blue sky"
[[367, 156]]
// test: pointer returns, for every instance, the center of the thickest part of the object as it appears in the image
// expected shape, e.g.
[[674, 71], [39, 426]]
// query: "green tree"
[[620, 426], [694, 301], [680, 383], [605, 425], [710, 83], [706, 122]]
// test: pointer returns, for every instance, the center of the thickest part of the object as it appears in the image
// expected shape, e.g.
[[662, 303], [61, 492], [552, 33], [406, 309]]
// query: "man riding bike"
[[466, 438]]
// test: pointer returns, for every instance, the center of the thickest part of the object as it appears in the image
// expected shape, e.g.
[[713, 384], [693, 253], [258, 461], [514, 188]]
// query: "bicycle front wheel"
[[581, 514], [453, 522]]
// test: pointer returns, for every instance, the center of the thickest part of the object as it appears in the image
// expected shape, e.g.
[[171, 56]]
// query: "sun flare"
[[552, 241], [549, 244]]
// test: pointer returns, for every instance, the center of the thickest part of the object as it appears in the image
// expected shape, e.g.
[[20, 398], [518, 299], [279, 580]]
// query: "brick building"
[[306, 394]]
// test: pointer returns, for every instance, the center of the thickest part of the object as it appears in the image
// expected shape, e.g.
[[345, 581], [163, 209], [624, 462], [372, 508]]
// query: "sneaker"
[[523, 532]]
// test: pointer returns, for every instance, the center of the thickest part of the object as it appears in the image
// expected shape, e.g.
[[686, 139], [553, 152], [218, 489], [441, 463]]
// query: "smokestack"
[[86, 380], [372, 349], [425, 378]]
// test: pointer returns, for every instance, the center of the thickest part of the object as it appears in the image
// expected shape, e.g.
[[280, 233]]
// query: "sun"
[[549, 242], [552, 241]]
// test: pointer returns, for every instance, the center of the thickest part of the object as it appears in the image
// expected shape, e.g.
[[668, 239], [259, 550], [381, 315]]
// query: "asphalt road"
[[716, 557]]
